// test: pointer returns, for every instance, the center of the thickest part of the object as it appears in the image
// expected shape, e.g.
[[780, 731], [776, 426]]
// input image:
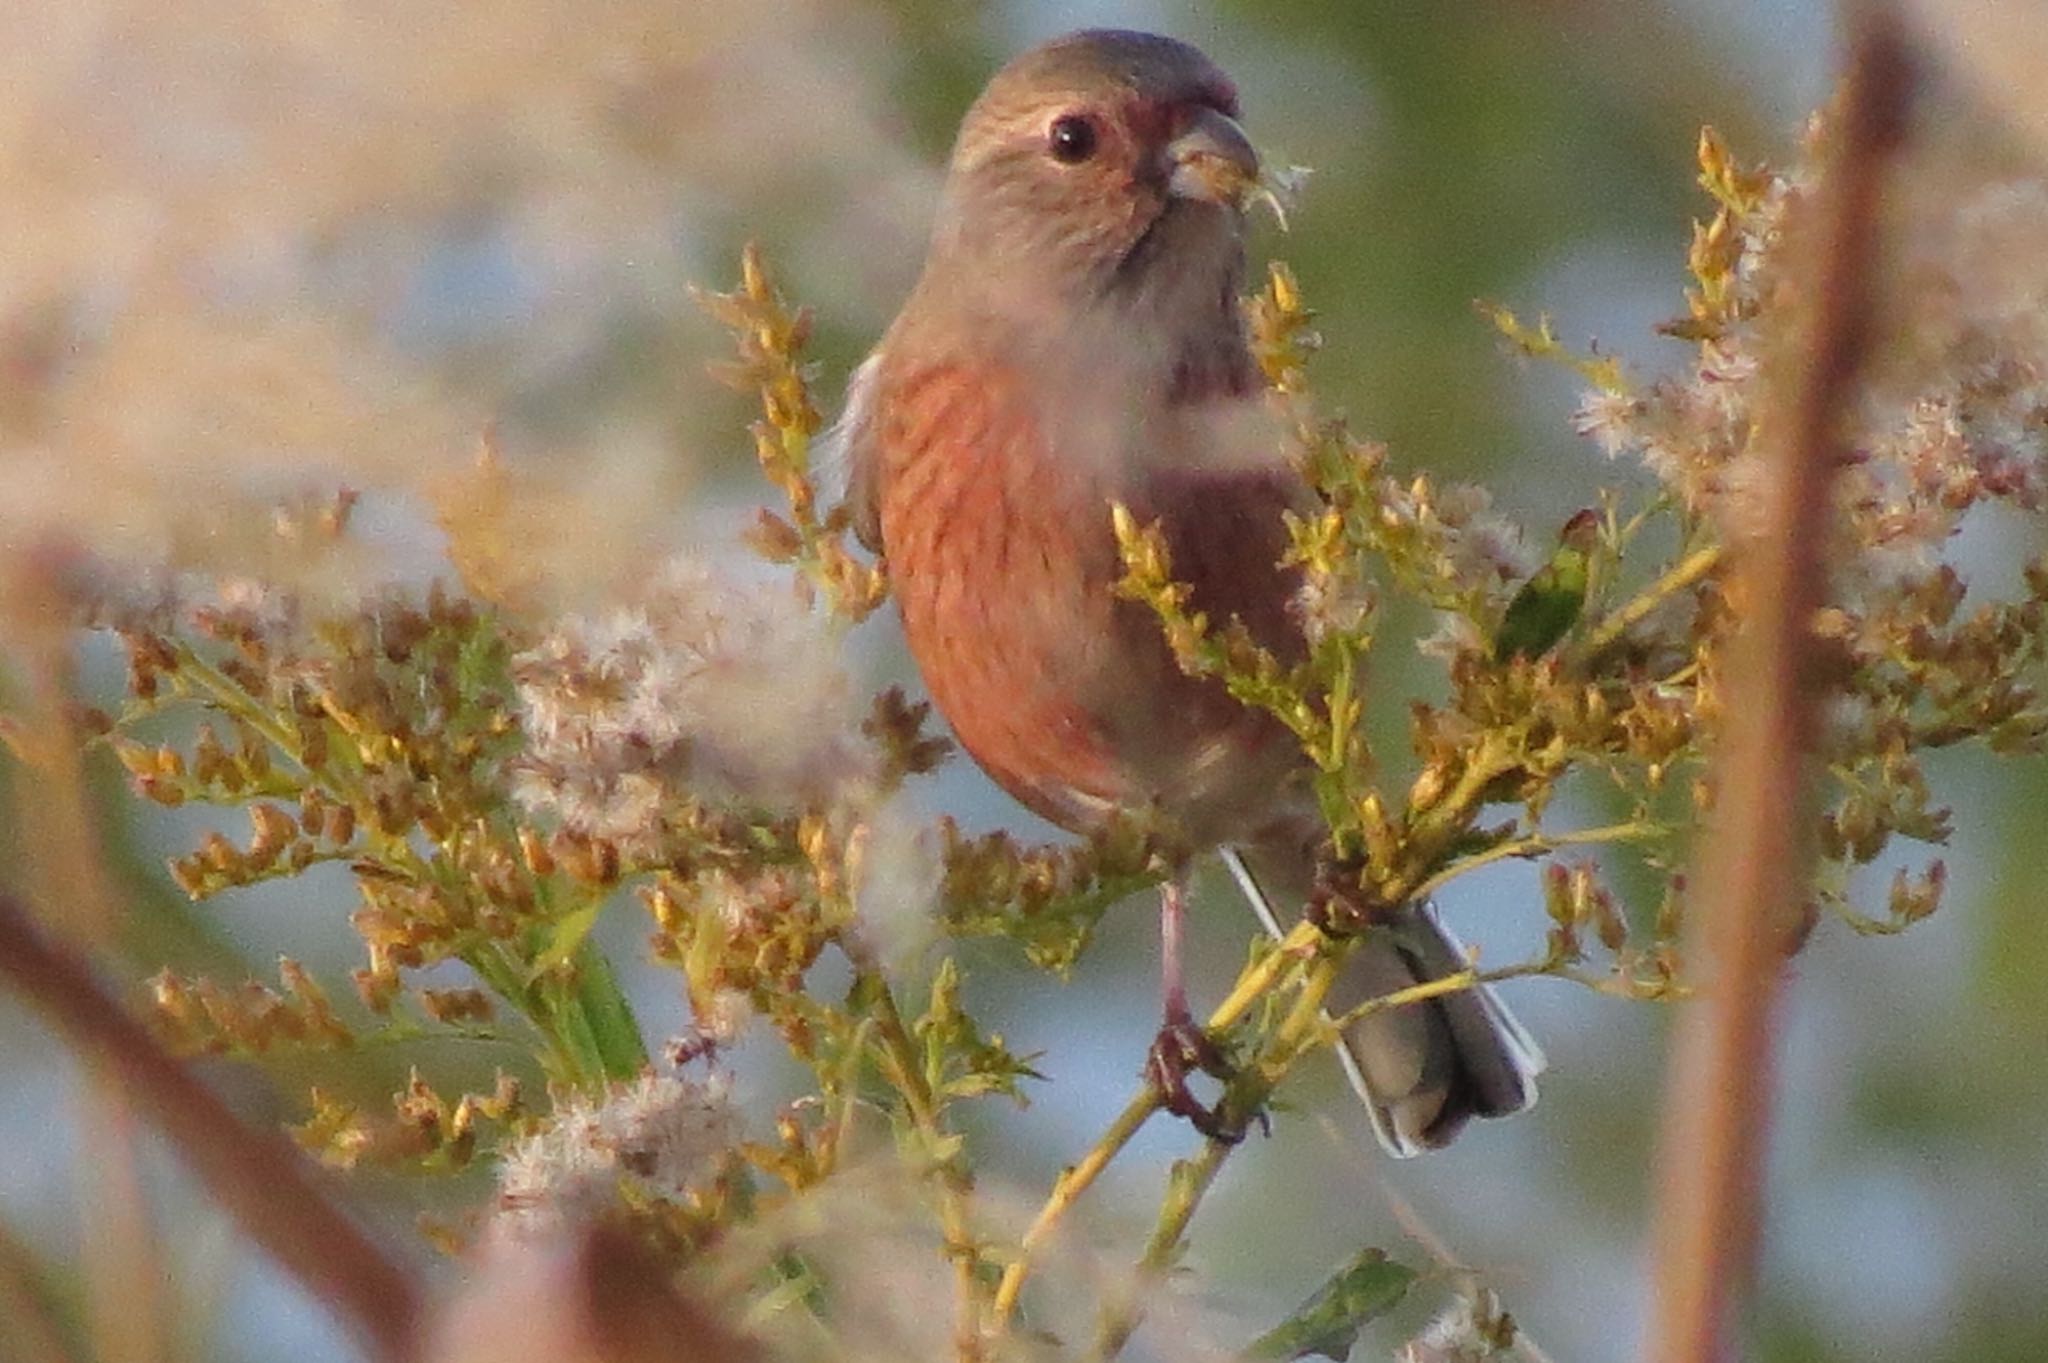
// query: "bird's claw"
[[1180, 1050]]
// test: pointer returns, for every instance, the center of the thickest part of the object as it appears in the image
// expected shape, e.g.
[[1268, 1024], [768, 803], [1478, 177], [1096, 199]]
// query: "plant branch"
[[1688, 571], [955, 1185], [36, 1331], [1299, 1033], [1252, 984], [257, 1177], [1187, 1185], [1540, 844], [1305, 942], [1755, 865], [121, 1258], [1074, 1180]]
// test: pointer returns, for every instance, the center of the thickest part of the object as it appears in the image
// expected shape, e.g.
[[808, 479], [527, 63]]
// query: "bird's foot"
[[1183, 1049]]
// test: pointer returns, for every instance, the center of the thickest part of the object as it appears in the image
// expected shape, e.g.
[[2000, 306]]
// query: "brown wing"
[[1226, 535], [1226, 770]]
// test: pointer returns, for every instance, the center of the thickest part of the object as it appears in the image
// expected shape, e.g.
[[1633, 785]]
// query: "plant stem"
[[256, 1176], [1538, 844], [560, 1057], [127, 1314], [1302, 941], [1074, 1180], [590, 1027], [955, 1184], [1755, 867], [1422, 993], [37, 1331], [1252, 984], [1301, 1033], [234, 699], [1689, 570], [1305, 941], [1186, 1187], [1191, 1180]]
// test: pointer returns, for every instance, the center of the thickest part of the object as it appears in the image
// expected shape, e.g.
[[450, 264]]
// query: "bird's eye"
[[1071, 139]]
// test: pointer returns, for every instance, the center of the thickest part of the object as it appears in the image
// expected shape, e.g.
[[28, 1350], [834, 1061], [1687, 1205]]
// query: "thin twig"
[[1078, 1177], [1541, 844], [1755, 865], [1074, 1180], [1691, 569], [1434, 827], [256, 1176], [955, 1186], [121, 1254], [1191, 1180], [1187, 1185], [1417, 1228], [1252, 984], [35, 1332]]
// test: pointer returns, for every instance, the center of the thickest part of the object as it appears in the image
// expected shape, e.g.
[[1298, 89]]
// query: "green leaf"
[[1549, 603], [565, 938], [1365, 1289], [613, 1027]]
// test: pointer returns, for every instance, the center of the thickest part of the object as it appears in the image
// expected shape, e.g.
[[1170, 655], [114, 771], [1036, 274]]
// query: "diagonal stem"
[[1256, 979], [1755, 868], [1304, 941], [37, 1330], [1688, 571], [258, 1178], [955, 1186]]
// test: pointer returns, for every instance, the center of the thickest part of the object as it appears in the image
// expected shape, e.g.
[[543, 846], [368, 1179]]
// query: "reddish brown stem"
[[256, 1176], [127, 1316], [1755, 868], [36, 1333]]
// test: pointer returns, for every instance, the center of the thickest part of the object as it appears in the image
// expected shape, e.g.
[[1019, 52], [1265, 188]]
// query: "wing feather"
[[844, 457]]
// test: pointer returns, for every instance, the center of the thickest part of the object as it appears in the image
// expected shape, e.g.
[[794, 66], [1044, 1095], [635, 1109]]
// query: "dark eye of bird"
[[1072, 139]]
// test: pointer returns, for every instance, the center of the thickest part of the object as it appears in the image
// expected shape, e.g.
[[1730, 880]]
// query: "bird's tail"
[[1424, 1069]]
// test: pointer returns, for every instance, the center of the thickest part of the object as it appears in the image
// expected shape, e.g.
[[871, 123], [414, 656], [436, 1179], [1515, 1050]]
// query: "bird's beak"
[[1212, 161]]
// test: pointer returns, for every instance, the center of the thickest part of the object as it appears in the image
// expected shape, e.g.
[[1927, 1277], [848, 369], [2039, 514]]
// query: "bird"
[[1075, 341]]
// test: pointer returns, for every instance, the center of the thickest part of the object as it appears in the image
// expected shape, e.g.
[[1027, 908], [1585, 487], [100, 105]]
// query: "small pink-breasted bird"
[[1076, 340]]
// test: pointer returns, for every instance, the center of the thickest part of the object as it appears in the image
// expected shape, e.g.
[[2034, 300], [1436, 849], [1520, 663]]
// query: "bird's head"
[[1105, 164]]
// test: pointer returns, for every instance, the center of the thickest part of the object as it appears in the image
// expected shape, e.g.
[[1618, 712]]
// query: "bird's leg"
[[1182, 1047], [1173, 929]]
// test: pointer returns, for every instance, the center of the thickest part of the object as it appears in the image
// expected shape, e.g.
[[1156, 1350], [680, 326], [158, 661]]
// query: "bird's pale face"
[[1095, 166]]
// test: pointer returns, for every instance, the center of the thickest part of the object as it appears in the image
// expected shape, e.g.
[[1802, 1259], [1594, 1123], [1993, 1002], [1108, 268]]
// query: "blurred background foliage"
[[247, 246]]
